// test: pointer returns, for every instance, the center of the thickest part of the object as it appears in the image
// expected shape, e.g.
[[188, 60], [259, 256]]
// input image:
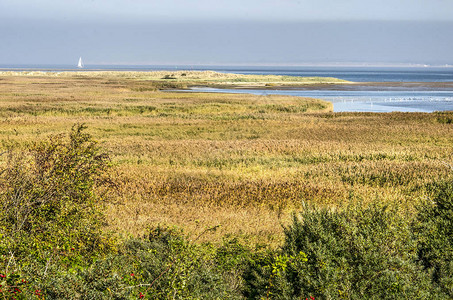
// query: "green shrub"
[[163, 265], [356, 253], [48, 205], [168, 76], [434, 226]]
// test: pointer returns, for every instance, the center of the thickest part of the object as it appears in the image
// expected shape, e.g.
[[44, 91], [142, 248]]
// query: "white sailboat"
[[80, 64]]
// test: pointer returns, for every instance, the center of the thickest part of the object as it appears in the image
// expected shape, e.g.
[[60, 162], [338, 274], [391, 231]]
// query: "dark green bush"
[[434, 226], [356, 253], [168, 76], [164, 265]]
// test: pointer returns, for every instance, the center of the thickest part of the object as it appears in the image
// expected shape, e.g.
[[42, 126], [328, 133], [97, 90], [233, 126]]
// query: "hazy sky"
[[226, 32]]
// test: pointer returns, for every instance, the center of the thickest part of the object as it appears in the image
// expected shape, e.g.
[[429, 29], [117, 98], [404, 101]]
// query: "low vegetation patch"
[[53, 245], [191, 195]]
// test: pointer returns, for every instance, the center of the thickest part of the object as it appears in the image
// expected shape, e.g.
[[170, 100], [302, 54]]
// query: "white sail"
[[80, 64]]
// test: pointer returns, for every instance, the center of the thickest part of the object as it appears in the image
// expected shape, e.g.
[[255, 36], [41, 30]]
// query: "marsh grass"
[[191, 77], [240, 161]]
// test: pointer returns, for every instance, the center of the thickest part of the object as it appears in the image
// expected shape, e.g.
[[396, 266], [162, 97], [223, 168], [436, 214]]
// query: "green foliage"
[[268, 275], [160, 85], [163, 265], [11, 286], [49, 207], [434, 226], [357, 253], [444, 117], [52, 244]]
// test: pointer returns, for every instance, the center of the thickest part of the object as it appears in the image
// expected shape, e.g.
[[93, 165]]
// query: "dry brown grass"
[[241, 161]]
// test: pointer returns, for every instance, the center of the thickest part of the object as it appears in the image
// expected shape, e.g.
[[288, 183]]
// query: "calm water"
[[356, 74], [363, 98]]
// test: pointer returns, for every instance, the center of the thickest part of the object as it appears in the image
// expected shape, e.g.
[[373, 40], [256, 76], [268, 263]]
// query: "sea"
[[361, 98]]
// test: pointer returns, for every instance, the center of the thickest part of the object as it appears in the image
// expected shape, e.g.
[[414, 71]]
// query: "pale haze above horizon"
[[230, 32]]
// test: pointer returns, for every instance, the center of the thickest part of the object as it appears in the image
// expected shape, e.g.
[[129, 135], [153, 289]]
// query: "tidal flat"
[[243, 162]]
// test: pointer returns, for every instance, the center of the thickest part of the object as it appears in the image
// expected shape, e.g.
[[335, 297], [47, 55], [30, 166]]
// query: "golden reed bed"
[[240, 161]]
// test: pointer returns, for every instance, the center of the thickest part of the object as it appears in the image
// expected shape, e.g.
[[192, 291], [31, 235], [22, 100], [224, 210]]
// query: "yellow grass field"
[[243, 162]]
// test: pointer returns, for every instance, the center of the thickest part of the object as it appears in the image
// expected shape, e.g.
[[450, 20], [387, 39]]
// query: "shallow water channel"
[[362, 100]]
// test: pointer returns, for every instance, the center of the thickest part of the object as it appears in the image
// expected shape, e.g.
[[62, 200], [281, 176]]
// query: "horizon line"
[[176, 65]]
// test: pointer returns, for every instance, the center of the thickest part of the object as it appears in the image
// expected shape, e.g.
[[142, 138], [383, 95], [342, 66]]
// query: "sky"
[[221, 32]]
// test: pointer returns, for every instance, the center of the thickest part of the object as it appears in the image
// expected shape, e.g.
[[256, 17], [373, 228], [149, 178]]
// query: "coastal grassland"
[[244, 162], [183, 79]]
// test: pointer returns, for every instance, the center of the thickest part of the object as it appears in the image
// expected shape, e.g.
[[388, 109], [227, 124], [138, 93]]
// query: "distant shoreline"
[[362, 74], [191, 79], [351, 86]]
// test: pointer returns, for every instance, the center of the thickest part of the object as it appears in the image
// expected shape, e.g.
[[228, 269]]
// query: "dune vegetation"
[[118, 169], [187, 78]]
